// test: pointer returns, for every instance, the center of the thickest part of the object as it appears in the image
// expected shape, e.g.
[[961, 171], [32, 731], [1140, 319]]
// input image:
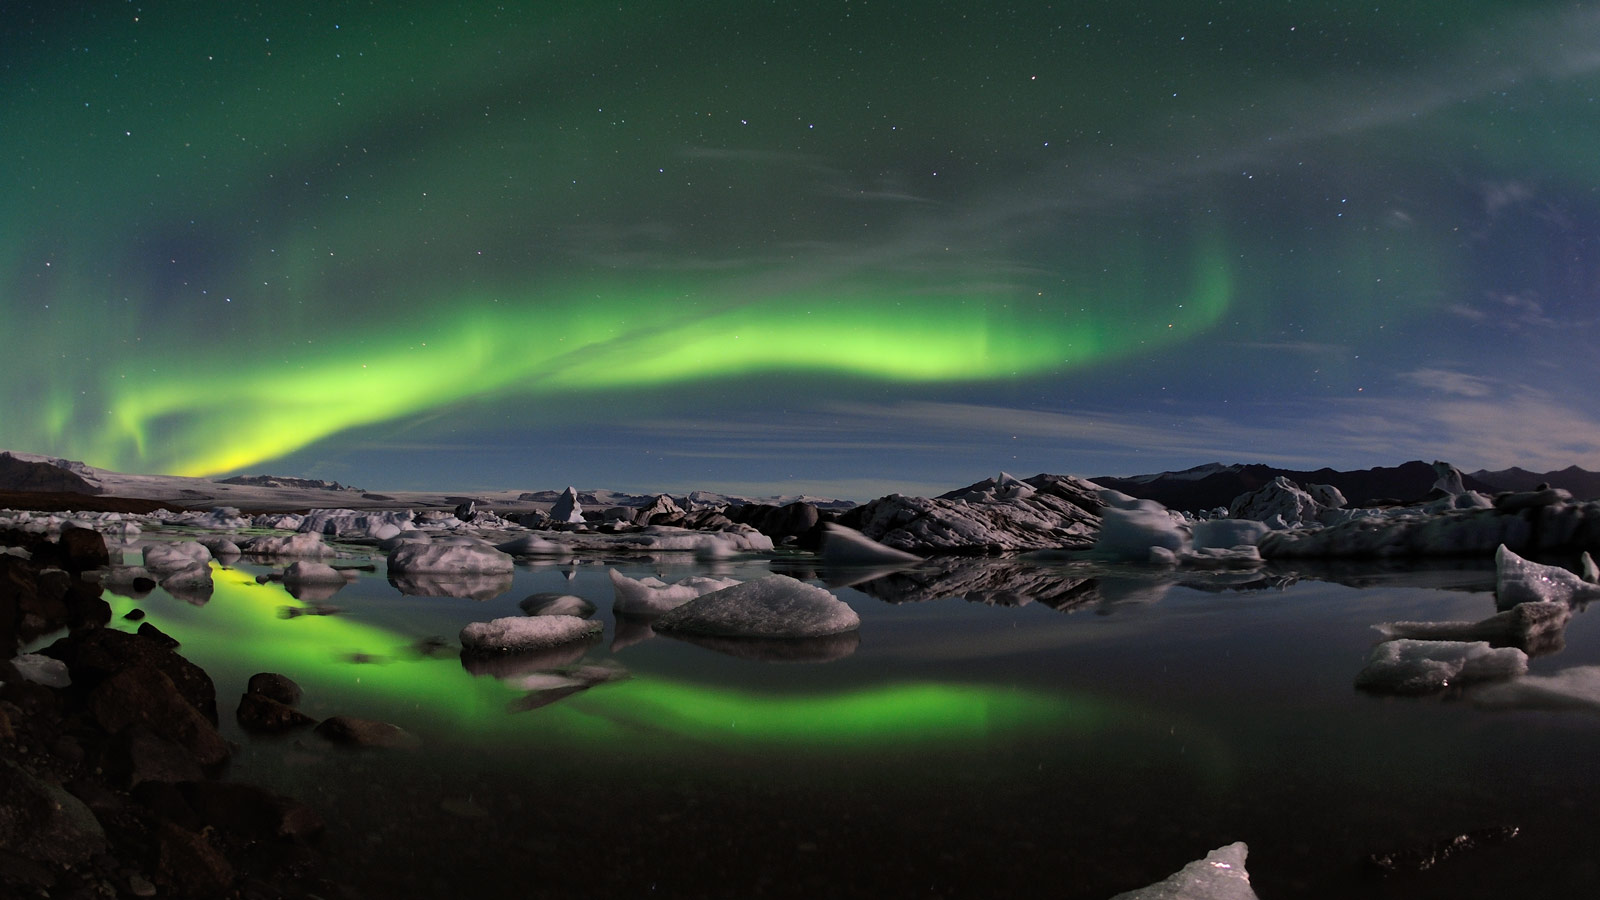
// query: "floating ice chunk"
[[1519, 581], [1527, 625], [1130, 531], [1227, 533], [1591, 572], [557, 605], [519, 633], [567, 509], [652, 596], [1418, 667], [1220, 876], [478, 586], [304, 572], [279, 521], [450, 556], [221, 518], [843, 546], [356, 524], [776, 606], [306, 544], [164, 559], [1574, 688]]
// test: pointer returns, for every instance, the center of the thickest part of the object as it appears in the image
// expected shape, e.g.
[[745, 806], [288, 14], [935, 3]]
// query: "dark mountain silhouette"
[[1364, 487], [1583, 484]]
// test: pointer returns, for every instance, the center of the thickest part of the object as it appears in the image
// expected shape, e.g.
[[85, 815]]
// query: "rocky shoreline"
[[114, 771]]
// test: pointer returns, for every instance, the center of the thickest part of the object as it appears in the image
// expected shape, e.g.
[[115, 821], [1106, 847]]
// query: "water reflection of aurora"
[[240, 631]]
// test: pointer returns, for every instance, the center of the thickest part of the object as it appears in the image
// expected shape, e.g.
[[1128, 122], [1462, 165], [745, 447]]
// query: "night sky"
[[831, 247]]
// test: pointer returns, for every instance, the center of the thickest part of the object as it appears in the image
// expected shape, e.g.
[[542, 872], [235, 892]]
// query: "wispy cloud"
[[1449, 382]]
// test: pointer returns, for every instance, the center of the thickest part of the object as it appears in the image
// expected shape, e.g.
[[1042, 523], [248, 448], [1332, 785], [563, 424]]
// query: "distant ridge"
[[1583, 484], [1213, 484]]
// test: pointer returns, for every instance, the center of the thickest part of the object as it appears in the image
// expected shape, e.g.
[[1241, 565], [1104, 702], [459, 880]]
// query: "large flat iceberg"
[[776, 606]]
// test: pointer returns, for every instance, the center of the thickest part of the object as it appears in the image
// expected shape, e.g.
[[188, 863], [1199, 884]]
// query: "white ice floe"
[[166, 558], [306, 545], [567, 509], [843, 546], [1281, 498], [1574, 688], [652, 596], [517, 633], [1220, 876], [775, 606], [220, 547], [355, 524], [1418, 667], [1519, 581], [1227, 533], [450, 556], [221, 518], [1527, 625], [1130, 528]]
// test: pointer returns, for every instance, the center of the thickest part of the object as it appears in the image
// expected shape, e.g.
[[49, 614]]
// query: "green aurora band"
[[207, 412]]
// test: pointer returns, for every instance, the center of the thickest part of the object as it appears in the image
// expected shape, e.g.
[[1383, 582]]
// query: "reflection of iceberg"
[[631, 630], [816, 649], [513, 665], [1575, 688], [477, 587]]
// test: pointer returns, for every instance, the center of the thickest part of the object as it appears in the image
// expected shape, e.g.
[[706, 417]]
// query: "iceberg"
[[164, 559], [1534, 624], [557, 605], [522, 633], [306, 544], [449, 556], [652, 596], [1219, 876], [567, 509], [1407, 666], [775, 606], [843, 546], [1519, 581]]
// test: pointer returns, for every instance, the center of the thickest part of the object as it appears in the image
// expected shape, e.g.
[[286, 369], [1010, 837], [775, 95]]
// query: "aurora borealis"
[[836, 247]]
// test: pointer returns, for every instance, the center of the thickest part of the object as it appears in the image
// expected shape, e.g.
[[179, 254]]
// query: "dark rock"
[[96, 655], [354, 732], [138, 756], [188, 865], [1424, 857], [134, 615], [85, 607], [260, 714], [251, 812], [148, 630], [143, 695], [43, 822], [143, 585], [83, 549], [274, 687]]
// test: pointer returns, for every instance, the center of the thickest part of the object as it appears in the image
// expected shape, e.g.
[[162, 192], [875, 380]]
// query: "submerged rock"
[[776, 606], [1220, 875]]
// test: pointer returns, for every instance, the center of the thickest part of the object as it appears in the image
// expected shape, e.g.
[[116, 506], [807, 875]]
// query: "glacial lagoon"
[[996, 727]]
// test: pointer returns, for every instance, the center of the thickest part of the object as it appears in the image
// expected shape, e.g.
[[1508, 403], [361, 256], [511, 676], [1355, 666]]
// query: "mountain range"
[[1214, 484]]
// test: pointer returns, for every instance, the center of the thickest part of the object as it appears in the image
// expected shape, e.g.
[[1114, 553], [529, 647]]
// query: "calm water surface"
[[1085, 739]]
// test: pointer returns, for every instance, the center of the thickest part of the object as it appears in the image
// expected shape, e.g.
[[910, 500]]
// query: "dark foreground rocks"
[[110, 785]]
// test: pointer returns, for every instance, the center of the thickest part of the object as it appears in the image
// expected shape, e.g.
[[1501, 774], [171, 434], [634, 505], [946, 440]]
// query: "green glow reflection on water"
[[241, 631]]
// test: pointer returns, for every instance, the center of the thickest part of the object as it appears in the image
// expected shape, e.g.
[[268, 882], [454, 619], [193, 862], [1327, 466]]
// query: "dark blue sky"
[[841, 248]]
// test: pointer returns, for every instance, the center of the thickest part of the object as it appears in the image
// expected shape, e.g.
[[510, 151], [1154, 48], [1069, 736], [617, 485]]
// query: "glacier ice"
[[518, 633], [843, 546], [652, 596], [775, 606], [1518, 580], [1220, 875], [1407, 666], [450, 556]]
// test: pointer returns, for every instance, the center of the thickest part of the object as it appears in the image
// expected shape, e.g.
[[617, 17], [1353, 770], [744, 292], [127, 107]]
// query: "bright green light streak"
[[213, 412]]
